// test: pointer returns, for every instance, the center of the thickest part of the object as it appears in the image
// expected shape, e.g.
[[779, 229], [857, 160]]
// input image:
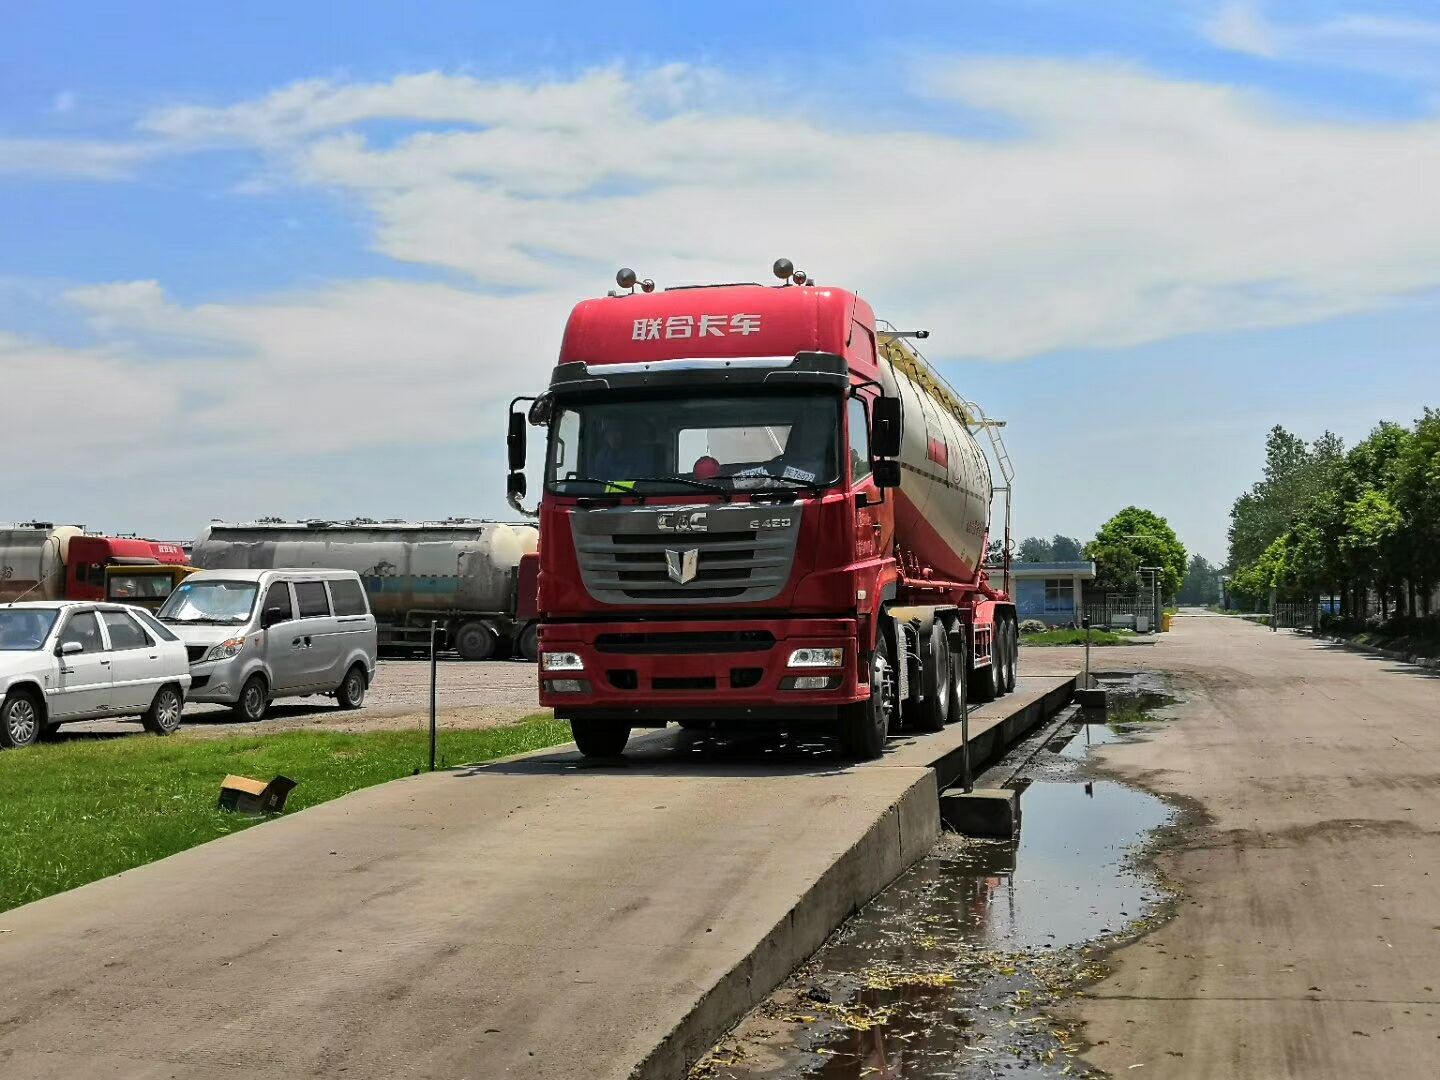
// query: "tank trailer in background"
[[42, 561], [760, 505]]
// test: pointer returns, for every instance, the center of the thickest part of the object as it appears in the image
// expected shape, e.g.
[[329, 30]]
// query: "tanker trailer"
[[761, 507], [33, 557], [463, 574]]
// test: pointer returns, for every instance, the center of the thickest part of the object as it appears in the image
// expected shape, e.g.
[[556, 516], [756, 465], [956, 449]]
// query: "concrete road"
[[1307, 939], [470, 695], [541, 918]]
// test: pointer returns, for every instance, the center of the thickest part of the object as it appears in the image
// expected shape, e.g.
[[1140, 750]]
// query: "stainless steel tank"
[[32, 560]]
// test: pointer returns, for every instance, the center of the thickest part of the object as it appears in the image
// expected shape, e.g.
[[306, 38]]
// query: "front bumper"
[[653, 672], [218, 682]]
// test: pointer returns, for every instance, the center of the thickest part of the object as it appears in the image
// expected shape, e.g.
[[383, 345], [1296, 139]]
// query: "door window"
[[278, 596], [859, 440], [85, 629], [349, 598], [313, 601], [125, 632]]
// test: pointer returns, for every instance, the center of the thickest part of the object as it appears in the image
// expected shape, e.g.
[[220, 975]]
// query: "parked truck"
[[475, 579], [43, 561], [759, 505]]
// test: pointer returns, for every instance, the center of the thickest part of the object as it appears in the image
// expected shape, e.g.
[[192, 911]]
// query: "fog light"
[[810, 682], [567, 686], [562, 661], [816, 658]]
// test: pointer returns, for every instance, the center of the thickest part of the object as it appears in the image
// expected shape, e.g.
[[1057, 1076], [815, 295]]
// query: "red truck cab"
[[88, 556]]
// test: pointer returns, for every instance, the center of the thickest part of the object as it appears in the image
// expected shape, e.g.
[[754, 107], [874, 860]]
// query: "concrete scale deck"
[[541, 917]]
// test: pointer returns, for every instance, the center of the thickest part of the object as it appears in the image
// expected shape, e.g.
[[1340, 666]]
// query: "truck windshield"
[[209, 602], [135, 586], [665, 445], [25, 629]]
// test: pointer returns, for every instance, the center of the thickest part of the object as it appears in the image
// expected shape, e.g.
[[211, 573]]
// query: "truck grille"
[[741, 553]]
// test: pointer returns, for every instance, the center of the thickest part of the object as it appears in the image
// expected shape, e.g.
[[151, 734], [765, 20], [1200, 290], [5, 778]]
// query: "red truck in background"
[[41, 561], [759, 505]]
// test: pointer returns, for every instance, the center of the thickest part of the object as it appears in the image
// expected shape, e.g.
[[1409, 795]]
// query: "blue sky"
[[1142, 233]]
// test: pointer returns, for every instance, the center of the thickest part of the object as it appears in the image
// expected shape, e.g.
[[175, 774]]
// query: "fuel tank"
[[460, 565], [942, 508]]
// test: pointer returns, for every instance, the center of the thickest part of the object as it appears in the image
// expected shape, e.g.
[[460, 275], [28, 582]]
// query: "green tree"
[[1202, 582], [1066, 549], [1034, 549], [1131, 539]]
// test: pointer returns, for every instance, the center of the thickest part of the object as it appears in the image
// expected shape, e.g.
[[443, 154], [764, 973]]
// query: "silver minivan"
[[257, 635]]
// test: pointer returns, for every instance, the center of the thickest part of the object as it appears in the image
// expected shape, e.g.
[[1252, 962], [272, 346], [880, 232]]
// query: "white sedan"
[[62, 661]]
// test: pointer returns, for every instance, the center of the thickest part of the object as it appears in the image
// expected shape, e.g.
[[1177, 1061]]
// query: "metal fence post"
[[434, 673]]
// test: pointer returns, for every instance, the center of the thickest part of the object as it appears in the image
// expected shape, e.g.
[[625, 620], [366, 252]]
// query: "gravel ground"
[[470, 695]]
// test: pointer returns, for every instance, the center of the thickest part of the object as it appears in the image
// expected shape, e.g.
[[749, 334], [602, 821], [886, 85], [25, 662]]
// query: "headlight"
[[225, 649], [816, 658], [562, 661]]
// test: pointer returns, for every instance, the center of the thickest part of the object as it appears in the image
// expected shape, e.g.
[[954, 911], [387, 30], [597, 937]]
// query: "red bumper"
[[653, 672]]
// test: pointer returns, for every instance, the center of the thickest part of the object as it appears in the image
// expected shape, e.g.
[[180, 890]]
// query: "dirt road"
[[1307, 938]]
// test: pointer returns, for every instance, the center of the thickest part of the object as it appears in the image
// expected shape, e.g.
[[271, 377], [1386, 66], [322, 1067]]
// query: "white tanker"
[[472, 577]]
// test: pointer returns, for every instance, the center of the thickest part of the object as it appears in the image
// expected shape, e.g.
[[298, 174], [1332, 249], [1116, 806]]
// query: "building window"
[[1059, 594]]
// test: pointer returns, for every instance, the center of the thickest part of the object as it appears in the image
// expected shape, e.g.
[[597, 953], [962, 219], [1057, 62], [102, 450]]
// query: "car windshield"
[[673, 445], [210, 602], [25, 629]]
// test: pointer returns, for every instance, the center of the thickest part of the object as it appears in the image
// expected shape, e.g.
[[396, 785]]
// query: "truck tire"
[[528, 643], [163, 716], [865, 725], [600, 738], [1013, 662], [475, 641], [21, 718], [985, 681], [934, 712]]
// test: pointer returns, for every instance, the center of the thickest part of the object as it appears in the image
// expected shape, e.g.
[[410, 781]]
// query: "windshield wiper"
[[685, 480]]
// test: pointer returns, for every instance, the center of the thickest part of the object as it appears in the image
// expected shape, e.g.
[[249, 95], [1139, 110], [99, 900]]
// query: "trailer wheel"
[[985, 681], [934, 711], [475, 641], [528, 643], [865, 725], [600, 738], [1012, 661]]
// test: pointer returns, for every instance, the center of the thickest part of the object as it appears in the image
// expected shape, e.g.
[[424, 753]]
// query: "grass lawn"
[[1077, 637], [76, 811]]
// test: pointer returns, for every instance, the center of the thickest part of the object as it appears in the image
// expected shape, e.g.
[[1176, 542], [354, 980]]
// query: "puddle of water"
[[948, 973]]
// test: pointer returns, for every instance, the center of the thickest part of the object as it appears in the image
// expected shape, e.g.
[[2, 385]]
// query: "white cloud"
[[91, 159], [1382, 45]]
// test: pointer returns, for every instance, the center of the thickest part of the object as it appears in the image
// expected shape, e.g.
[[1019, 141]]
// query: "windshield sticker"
[[792, 473]]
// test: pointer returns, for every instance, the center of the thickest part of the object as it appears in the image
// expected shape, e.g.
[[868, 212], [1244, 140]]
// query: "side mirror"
[[541, 409], [515, 487], [69, 648], [515, 442], [885, 428], [886, 474], [273, 616]]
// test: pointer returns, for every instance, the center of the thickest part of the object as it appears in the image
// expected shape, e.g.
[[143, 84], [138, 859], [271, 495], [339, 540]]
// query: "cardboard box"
[[246, 796]]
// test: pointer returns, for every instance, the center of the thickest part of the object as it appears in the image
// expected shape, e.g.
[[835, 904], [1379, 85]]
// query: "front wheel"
[[865, 725], [19, 720], [351, 693], [254, 700], [163, 716], [600, 738]]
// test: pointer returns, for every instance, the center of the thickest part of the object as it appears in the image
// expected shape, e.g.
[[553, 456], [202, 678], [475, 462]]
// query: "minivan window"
[[124, 633], [312, 599], [278, 596], [348, 596]]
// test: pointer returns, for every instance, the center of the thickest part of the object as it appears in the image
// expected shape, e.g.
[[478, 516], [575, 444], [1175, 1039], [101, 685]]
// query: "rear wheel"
[[254, 700], [934, 711], [163, 716], [985, 681], [528, 643], [865, 725], [351, 693], [475, 641], [1012, 663], [600, 738], [20, 720]]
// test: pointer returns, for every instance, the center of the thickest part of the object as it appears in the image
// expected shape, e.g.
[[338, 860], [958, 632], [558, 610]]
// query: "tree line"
[[1132, 539], [1355, 524]]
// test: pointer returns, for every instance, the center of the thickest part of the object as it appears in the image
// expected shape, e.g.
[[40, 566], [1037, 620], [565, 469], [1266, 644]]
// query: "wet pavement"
[[950, 971]]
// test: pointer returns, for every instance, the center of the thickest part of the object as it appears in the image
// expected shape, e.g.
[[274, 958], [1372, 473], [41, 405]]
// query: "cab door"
[[83, 680]]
